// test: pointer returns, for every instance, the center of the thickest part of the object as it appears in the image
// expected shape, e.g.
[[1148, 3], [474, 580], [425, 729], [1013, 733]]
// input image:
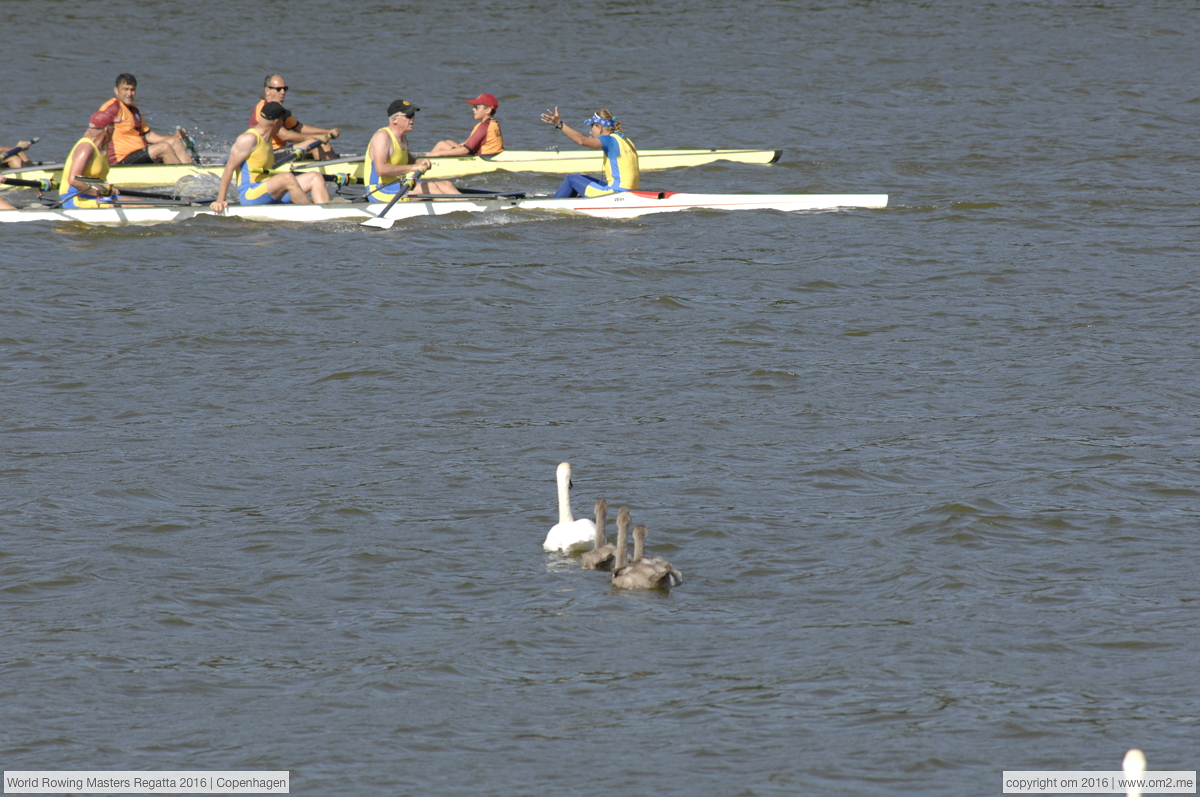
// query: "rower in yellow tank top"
[[383, 188], [87, 159], [251, 159], [387, 163], [258, 164], [621, 169]]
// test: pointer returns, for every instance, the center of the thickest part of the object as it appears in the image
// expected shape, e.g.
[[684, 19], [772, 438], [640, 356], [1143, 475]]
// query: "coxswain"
[[252, 158], [132, 141], [292, 132], [485, 138], [621, 172], [387, 162], [87, 159]]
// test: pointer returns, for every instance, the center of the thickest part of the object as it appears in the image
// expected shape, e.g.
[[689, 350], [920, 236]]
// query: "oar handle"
[[40, 185], [409, 183], [97, 183], [19, 150], [298, 151]]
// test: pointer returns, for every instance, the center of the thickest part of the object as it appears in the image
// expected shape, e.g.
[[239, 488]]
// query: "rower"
[[485, 138], [293, 133], [621, 171], [252, 158], [132, 141], [387, 160], [18, 159], [4, 205], [87, 160]]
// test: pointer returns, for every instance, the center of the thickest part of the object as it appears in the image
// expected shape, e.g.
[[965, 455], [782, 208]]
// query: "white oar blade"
[[382, 224]]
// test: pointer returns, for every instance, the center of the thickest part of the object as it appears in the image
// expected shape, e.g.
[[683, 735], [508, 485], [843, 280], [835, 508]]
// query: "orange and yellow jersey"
[[97, 168], [291, 123], [129, 134], [380, 189], [257, 166], [621, 170], [485, 139]]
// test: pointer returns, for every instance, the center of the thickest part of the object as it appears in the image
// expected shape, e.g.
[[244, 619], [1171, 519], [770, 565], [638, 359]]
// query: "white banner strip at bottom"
[[1097, 782], [192, 781]]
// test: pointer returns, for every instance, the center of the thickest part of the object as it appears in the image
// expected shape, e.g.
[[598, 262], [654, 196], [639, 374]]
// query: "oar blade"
[[378, 223], [381, 222]]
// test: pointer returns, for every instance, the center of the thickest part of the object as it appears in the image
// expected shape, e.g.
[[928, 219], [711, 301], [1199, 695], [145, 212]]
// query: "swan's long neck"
[[622, 529], [601, 518], [639, 539], [564, 494]]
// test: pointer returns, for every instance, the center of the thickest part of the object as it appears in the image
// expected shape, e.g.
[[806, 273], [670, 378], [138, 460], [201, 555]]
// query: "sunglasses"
[[278, 88]]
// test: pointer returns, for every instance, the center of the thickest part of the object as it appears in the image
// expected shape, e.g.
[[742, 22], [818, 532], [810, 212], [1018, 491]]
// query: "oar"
[[19, 150], [298, 151], [142, 194], [190, 144], [41, 185], [386, 224]]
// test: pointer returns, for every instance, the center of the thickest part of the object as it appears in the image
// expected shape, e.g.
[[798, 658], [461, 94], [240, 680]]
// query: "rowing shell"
[[545, 162], [623, 205]]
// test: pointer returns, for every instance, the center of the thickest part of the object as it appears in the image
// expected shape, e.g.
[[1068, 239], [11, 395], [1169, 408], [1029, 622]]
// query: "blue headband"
[[596, 120]]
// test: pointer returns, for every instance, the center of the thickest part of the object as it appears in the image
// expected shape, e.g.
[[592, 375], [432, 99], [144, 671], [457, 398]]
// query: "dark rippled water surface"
[[272, 497]]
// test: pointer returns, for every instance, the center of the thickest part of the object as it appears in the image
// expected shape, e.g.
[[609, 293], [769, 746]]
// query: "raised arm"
[[583, 140]]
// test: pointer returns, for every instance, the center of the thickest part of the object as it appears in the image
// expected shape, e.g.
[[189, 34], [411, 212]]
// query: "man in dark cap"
[[252, 158], [388, 161]]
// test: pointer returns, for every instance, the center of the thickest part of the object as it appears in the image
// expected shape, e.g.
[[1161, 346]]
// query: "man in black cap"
[[388, 160], [252, 158]]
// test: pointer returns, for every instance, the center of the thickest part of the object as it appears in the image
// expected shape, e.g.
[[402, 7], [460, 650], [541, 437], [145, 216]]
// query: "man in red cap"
[[485, 139], [132, 141], [87, 159]]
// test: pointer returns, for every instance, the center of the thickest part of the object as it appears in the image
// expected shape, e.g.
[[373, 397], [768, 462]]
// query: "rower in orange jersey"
[[485, 138], [132, 141], [293, 133]]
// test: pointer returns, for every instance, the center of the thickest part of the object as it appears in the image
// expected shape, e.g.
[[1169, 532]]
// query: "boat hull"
[[544, 162], [624, 205]]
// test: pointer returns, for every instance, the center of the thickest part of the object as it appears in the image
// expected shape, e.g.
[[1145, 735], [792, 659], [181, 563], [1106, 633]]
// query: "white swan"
[[568, 535], [641, 573], [602, 555]]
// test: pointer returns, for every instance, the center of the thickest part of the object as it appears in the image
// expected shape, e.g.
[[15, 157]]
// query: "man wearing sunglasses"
[[132, 141], [388, 162], [293, 133]]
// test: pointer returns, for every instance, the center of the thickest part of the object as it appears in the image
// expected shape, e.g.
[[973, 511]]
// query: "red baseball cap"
[[102, 119], [486, 99]]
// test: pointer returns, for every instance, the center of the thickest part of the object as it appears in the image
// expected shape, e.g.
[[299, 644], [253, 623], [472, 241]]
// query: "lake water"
[[273, 496]]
